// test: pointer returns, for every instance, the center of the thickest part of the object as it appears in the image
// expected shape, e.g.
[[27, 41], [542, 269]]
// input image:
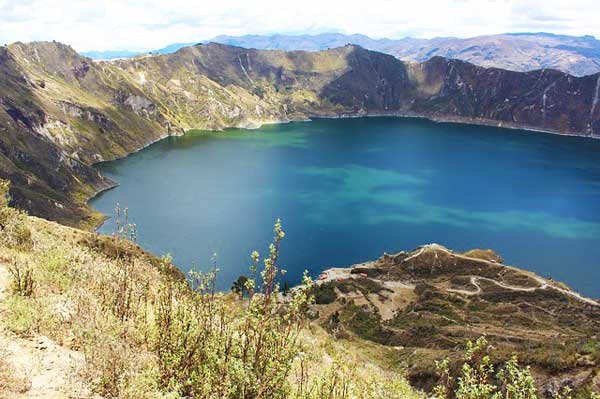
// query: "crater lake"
[[348, 190]]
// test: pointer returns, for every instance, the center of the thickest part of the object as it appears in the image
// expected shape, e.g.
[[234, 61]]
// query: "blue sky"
[[150, 24]]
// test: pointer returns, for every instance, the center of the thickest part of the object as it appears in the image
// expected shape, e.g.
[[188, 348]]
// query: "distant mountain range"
[[116, 54], [577, 55]]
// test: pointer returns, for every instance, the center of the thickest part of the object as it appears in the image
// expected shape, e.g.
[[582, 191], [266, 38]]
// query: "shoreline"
[[114, 183], [332, 274], [311, 117], [458, 120]]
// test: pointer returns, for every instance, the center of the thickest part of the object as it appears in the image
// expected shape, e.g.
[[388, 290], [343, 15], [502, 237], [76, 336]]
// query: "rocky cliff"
[[61, 112]]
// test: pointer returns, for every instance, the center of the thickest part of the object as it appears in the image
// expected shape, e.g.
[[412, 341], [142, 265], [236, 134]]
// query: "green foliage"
[[9, 382], [4, 196], [204, 350], [324, 293], [517, 382], [56, 273], [147, 333], [591, 347], [341, 380], [363, 321], [19, 314], [22, 278], [13, 229], [476, 378], [239, 286]]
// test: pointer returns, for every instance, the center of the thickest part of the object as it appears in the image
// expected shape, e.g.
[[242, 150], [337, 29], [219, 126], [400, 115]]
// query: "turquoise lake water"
[[348, 190]]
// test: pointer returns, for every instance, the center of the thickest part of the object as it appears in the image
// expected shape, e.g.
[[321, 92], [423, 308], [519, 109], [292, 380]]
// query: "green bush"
[[477, 378], [324, 293], [21, 278], [341, 381], [4, 189], [14, 232], [205, 350], [19, 314]]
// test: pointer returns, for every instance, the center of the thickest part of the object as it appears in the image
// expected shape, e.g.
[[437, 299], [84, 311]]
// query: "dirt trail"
[[39, 367], [339, 273], [544, 284]]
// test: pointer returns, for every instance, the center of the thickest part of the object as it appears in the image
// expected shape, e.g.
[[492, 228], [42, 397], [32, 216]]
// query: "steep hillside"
[[85, 315], [62, 112]]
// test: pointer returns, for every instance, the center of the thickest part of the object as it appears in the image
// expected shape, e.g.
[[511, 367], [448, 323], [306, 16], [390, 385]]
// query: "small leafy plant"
[[22, 278], [13, 230], [204, 350], [477, 378]]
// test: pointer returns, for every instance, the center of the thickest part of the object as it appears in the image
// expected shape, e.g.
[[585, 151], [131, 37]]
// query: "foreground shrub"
[[478, 380], [343, 381], [19, 315], [206, 350], [9, 383], [147, 332], [13, 227], [21, 278]]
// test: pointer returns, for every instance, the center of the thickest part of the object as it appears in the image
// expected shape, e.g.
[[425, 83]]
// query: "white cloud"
[[149, 24]]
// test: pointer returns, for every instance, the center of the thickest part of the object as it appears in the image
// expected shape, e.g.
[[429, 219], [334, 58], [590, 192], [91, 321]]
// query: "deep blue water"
[[349, 190]]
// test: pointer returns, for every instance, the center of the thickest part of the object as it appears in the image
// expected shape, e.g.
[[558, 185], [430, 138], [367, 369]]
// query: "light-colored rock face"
[[140, 104], [58, 132]]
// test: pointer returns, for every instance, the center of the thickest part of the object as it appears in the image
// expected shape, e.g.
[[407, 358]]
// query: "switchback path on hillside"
[[544, 284], [335, 274]]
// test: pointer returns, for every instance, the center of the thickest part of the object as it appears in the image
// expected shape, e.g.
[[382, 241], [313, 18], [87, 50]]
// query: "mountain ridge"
[[63, 112], [524, 51]]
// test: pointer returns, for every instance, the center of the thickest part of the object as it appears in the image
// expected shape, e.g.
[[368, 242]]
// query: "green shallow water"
[[348, 190]]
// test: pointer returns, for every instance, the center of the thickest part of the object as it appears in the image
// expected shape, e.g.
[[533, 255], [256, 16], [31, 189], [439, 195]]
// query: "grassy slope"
[[78, 276]]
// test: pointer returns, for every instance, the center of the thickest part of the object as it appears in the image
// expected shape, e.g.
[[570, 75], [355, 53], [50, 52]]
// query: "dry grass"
[[10, 383], [100, 295]]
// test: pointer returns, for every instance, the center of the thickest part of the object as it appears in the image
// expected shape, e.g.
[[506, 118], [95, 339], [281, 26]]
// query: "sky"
[[142, 25]]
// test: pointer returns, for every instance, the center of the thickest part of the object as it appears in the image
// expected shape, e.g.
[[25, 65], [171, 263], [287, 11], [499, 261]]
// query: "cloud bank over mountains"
[[148, 24]]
